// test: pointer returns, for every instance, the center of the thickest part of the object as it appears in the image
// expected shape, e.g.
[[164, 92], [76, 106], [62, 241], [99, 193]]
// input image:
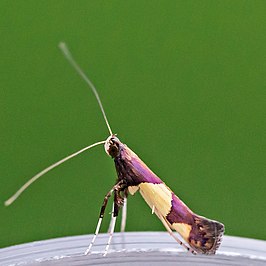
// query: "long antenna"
[[63, 47], [37, 176]]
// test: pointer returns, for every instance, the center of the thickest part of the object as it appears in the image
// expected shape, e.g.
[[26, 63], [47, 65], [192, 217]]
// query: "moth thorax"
[[111, 146]]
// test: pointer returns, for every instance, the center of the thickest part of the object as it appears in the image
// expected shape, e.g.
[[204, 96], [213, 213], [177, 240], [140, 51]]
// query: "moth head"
[[112, 146]]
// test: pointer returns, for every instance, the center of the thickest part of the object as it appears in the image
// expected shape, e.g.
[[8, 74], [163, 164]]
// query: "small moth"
[[202, 235]]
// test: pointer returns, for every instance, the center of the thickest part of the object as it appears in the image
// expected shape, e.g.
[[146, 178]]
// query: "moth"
[[201, 235]]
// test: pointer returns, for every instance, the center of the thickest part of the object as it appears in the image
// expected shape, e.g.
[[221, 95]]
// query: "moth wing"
[[206, 235], [133, 189], [203, 235], [157, 196]]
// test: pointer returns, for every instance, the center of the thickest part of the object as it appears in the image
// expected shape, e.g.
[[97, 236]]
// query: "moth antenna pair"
[[63, 47], [201, 234]]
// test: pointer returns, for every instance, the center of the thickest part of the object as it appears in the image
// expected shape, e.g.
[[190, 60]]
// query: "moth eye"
[[112, 147], [112, 141], [113, 150]]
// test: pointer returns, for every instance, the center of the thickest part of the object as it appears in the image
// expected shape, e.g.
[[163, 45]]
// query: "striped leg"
[[116, 206], [124, 212], [95, 235], [112, 224], [169, 230], [105, 201], [111, 221], [124, 216]]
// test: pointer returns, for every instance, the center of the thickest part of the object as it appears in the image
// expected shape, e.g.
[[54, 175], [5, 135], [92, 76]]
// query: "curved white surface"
[[136, 248]]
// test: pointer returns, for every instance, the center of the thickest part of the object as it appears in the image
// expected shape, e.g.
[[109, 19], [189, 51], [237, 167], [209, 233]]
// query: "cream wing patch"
[[183, 229], [133, 189], [157, 196]]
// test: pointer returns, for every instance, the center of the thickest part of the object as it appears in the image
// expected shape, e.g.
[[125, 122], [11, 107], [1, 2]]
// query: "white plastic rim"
[[135, 248]]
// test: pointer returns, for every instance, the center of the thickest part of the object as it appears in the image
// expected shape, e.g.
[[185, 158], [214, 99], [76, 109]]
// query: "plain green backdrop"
[[183, 85]]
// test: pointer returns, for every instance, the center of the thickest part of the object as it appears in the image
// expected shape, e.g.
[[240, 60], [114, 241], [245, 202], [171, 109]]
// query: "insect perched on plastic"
[[201, 234]]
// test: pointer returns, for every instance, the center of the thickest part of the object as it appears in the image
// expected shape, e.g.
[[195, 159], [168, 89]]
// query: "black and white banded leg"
[[105, 201], [124, 212], [115, 212], [169, 230]]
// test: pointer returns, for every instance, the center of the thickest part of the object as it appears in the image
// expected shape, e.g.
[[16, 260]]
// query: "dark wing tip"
[[206, 235]]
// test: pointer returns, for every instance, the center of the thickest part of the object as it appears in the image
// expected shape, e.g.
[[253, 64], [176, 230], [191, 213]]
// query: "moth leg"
[[123, 220], [124, 213], [118, 201], [169, 230], [105, 201], [124, 216], [111, 221]]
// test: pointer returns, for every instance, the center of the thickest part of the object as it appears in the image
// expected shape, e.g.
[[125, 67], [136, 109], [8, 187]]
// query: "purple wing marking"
[[130, 167], [179, 212], [205, 235]]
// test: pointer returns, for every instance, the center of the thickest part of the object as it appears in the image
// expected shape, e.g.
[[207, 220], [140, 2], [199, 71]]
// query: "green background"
[[183, 85]]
